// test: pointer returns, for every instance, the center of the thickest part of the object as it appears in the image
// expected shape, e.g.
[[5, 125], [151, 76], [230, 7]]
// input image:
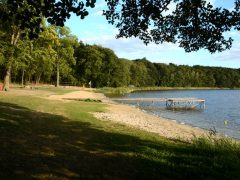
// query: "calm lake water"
[[222, 110]]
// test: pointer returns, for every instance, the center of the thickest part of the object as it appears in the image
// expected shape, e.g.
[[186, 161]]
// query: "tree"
[[23, 59], [28, 14], [139, 74], [96, 64], [10, 25], [194, 24], [64, 48], [90, 61], [43, 54], [18, 18], [152, 74], [35, 58], [109, 65], [121, 75]]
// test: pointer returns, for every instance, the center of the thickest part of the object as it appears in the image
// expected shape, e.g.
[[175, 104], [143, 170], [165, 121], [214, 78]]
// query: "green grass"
[[45, 87], [44, 139]]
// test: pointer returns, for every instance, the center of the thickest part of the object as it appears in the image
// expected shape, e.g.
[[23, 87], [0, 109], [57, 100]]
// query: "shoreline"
[[135, 117], [132, 116]]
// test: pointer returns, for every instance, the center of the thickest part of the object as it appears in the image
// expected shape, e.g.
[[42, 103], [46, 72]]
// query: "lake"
[[222, 110]]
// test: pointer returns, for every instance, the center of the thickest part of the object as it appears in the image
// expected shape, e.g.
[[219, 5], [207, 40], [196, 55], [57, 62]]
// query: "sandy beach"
[[135, 117], [84, 93]]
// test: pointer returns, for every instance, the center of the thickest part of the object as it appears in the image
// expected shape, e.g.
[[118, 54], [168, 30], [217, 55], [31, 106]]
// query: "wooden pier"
[[140, 99], [171, 103], [189, 103]]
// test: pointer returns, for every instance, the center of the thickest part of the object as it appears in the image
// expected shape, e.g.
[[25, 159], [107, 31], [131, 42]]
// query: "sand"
[[81, 94], [135, 117]]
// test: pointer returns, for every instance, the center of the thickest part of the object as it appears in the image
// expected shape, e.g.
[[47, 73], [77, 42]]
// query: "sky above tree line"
[[94, 29]]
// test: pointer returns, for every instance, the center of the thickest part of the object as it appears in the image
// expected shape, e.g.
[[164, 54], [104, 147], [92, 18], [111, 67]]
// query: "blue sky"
[[94, 29]]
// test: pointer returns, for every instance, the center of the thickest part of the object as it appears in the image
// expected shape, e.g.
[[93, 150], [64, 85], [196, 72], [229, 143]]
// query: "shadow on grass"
[[45, 146]]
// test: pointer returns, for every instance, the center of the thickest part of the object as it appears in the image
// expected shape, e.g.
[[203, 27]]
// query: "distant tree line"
[[197, 76], [103, 68], [30, 51], [57, 57]]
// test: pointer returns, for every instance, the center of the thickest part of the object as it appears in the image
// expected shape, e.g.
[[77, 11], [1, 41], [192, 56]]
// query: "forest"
[[58, 57]]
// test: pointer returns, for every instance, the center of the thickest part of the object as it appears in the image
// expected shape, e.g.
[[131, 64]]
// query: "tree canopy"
[[194, 24], [28, 14], [104, 69]]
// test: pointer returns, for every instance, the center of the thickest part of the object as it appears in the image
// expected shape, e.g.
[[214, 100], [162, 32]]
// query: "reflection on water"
[[222, 110]]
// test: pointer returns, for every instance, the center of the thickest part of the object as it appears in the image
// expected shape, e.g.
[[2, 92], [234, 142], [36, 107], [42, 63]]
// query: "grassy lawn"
[[43, 139]]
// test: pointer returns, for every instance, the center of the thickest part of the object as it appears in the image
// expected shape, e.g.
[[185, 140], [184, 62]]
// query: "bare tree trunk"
[[29, 79], [14, 39], [58, 74], [38, 79], [23, 74]]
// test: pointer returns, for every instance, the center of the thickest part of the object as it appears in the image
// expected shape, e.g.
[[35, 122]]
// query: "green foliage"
[[80, 63], [224, 153], [193, 24], [121, 75], [96, 64], [28, 14], [115, 91], [84, 100], [54, 55], [64, 48], [57, 55], [36, 60], [142, 73], [197, 76]]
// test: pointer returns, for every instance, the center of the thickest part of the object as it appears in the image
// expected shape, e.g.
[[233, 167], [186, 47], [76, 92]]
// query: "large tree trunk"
[[58, 74], [14, 39], [7, 78]]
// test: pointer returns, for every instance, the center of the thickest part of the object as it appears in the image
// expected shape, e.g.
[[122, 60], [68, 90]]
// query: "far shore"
[[109, 91]]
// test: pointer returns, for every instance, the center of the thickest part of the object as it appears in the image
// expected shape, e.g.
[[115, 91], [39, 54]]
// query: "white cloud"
[[98, 13], [232, 54], [131, 47]]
